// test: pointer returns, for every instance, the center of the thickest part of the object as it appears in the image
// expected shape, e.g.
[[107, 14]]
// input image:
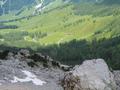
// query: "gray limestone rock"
[[91, 75]]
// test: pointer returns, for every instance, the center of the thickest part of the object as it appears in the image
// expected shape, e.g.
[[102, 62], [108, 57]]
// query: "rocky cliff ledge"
[[24, 71]]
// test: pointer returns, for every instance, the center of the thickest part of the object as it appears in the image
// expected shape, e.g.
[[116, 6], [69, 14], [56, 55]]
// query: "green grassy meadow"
[[63, 25]]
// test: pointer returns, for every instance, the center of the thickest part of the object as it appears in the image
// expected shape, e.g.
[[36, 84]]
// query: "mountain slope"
[[69, 32], [68, 22]]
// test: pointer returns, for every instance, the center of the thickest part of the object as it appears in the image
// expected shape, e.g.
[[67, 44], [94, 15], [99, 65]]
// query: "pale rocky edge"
[[91, 75]]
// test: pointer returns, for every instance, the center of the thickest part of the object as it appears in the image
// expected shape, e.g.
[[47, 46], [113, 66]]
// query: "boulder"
[[65, 67], [24, 52], [10, 56], [91, 75]]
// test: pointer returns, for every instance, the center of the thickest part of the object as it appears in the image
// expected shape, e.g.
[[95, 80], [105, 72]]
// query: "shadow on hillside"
[[12, 49], [8, 27], [75, 52]]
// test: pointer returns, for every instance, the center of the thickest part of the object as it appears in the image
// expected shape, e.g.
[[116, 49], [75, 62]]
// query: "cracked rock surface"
[[25, 71]]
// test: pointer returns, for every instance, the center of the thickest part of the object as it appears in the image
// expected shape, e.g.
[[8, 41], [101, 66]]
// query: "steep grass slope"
[[63, 24]]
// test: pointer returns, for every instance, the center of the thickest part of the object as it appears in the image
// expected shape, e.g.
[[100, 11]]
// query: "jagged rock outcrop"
[[91, 75], [15, 70], [48, 62], [33, 60], [13, 77]]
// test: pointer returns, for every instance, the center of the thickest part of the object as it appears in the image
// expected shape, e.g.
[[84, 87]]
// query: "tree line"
[[75, 52]]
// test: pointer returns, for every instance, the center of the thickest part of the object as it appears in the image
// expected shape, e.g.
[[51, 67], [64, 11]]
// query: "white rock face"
[[30, 77], [93, 75]]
